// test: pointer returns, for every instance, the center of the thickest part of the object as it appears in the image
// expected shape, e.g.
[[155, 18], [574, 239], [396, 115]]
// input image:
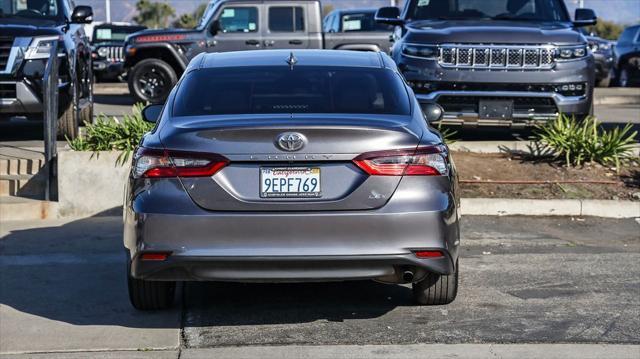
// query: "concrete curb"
[[502, 147], [616, 96], [552, 207]]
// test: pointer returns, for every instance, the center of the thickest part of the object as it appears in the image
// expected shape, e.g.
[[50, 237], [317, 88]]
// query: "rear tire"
[[149, 295], [436, 289], [151, 80]]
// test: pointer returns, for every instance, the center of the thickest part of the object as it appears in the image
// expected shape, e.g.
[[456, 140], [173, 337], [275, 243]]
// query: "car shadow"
[[75, 273], [224, 304]]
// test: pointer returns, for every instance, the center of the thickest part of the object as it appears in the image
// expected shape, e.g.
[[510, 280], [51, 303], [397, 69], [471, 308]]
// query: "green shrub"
[[111, 134], [585, 141]]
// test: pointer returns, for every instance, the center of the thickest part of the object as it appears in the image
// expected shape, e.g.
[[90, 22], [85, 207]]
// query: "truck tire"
[[436, 289], [68, 121], [623, 77], [149, 295], [68, 124], [151, 80]]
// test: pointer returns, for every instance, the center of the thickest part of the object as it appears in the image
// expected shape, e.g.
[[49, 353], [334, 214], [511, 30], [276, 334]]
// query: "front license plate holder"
[[495, 109], [290, 182]]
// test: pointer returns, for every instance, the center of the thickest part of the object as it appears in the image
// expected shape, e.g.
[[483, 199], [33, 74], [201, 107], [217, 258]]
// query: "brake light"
[[429, 254], [151, 163], [423, 161]]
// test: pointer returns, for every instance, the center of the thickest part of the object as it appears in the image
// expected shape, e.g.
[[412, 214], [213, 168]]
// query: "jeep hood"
[[494, 32]]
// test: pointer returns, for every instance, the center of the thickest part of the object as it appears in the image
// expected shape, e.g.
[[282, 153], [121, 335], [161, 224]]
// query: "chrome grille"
[[497, 56], [5, 50], [114, 53]]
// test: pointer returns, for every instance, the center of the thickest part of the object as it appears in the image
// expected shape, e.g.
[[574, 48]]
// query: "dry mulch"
[[486, 168]]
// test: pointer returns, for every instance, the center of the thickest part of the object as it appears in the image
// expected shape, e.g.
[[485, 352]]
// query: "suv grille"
[[497, 56], [5, 49], [7, 90], [114, 53]]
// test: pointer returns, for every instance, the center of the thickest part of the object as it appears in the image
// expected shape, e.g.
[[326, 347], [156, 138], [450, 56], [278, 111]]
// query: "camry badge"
[[291, 141]]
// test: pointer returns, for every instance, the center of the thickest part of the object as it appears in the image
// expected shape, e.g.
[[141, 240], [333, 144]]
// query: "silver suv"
[[495, 62]]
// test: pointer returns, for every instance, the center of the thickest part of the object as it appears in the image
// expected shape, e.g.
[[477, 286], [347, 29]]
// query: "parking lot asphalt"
[[523, 280]]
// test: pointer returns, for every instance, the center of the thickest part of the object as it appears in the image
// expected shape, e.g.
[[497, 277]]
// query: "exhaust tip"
[[407, 276]]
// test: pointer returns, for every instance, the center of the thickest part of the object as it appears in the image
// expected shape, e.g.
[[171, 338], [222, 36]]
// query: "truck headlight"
[[571, 52], [40, 47], [422, 51], [103, 52]]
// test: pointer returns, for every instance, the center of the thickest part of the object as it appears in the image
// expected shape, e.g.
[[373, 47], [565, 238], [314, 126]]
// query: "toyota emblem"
[[291, 141]]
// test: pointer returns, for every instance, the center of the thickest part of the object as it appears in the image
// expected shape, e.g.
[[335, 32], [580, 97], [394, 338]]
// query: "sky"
[[621, 11]]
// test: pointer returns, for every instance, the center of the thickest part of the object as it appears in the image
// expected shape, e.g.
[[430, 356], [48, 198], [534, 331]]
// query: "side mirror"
[[432, 112], [215, 27], [82, 15], [389, 15], [585, 17], [151, 113]]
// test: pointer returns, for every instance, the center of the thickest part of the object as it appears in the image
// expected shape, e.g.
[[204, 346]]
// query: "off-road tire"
[[163, 70], [150, 295], [436, 289]]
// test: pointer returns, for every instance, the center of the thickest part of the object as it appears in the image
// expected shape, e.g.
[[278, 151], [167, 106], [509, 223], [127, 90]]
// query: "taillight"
[[423, 161], [151, 163]]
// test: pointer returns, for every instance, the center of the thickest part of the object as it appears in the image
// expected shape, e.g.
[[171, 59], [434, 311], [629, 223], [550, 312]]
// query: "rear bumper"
[[291, 246], [388, 268]]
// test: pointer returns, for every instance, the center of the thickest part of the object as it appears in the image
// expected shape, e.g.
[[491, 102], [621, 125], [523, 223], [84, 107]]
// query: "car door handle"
[[295, 42], [252, 42]]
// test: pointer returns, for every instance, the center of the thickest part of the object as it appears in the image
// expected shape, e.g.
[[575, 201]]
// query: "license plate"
[[496, 109], [289, 182]]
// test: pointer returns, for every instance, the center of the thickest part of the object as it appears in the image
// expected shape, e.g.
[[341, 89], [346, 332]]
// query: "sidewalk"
[[417, 351]]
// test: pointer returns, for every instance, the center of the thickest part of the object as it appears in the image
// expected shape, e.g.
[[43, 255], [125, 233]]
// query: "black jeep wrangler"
[[495, 62], [28, 28]]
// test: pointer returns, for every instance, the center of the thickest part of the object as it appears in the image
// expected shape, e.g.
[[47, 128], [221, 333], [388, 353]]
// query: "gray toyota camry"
[[272, 166]]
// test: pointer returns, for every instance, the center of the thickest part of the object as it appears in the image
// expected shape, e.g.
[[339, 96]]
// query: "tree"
[[606, 29], [189, 21], [326, 9], [153, 15]]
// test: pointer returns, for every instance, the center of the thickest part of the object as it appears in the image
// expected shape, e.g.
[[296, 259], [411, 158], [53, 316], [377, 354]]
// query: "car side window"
[[286, 19], [239, 19]]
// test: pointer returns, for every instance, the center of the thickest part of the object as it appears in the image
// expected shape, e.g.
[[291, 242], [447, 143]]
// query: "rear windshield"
[[264, 90]]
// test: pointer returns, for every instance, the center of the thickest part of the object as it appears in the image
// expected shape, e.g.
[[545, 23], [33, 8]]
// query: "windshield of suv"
[[362, 21], [519, 10], [30, 9], [309, 89], [104, 34]]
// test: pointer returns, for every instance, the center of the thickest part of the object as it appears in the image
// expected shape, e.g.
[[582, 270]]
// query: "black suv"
[[495, 62], [28, 28], [108, 49]]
